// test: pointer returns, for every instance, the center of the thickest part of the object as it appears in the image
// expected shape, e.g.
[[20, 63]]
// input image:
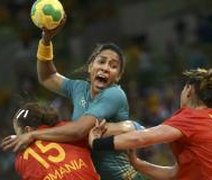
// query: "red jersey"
[[194, 150], [44, 160]]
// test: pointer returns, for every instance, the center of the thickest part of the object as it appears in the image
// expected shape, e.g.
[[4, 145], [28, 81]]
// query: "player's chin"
[[100, 85], [106, 85]]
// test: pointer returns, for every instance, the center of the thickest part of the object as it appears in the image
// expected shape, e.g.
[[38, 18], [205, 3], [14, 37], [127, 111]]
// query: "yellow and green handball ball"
[[47, 13]]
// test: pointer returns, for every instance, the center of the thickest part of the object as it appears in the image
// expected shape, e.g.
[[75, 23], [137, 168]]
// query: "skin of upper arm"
[[155, 135], [54, 82]]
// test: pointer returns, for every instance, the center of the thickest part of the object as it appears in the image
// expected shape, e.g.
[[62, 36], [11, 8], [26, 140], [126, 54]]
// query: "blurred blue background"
[[160, 39]]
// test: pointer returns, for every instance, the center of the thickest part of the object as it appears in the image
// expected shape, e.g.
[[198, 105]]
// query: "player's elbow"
[[52, 83], [41, 81], [78, 131], [127, 126], [79, 134], [169, 176], [173, 171], [71, 135]]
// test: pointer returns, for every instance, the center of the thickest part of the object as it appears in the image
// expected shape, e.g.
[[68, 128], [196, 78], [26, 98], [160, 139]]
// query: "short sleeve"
[[70, 87], [108, 104], [183, 121], [138, 126]]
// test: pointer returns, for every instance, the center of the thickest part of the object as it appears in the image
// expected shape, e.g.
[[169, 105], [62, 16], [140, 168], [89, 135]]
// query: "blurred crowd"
[[155, 57]]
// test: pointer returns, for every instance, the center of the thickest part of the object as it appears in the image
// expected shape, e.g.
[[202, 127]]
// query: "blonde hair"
[[202, 81]]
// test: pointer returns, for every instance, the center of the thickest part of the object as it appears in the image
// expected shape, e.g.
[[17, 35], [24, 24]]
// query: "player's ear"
[[190, 90]]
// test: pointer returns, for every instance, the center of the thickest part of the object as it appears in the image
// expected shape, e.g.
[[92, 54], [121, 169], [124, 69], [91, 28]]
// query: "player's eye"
[[100, 60], [114, 66]]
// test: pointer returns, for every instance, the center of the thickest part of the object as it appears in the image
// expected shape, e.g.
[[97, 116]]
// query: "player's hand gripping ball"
[[47, 13]]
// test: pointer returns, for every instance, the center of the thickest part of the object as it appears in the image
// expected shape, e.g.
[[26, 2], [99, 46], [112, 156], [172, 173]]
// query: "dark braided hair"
[[202, 81], [35, 115], [97, 50], [108, 46]]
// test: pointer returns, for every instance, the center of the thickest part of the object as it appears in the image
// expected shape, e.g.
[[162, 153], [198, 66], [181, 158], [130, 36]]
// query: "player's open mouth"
[[101, 81]]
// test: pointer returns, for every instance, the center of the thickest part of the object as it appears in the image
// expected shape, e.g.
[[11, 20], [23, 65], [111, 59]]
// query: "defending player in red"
[[50, 160], [189, 131]]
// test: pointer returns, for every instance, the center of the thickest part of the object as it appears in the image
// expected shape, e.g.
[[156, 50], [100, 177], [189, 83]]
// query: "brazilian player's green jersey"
[[110, 104]]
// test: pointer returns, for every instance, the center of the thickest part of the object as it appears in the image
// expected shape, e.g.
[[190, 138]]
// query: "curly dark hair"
[[34, 115], [202, 81]]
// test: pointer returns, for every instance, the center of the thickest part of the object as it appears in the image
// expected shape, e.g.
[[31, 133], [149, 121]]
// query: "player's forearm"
[[45, 69], [54, 134], [71, 131], [155, 171], [138, 139], [45, 65], [129, 141], [66, 133]]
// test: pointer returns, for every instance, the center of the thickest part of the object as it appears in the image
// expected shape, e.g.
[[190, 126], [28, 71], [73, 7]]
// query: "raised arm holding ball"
[[99, 98]]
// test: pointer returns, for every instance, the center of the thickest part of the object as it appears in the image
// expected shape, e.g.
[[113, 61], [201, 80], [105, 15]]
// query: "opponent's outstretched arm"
[[134, 139], [71, 131], [139, 139], [154, 171]]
